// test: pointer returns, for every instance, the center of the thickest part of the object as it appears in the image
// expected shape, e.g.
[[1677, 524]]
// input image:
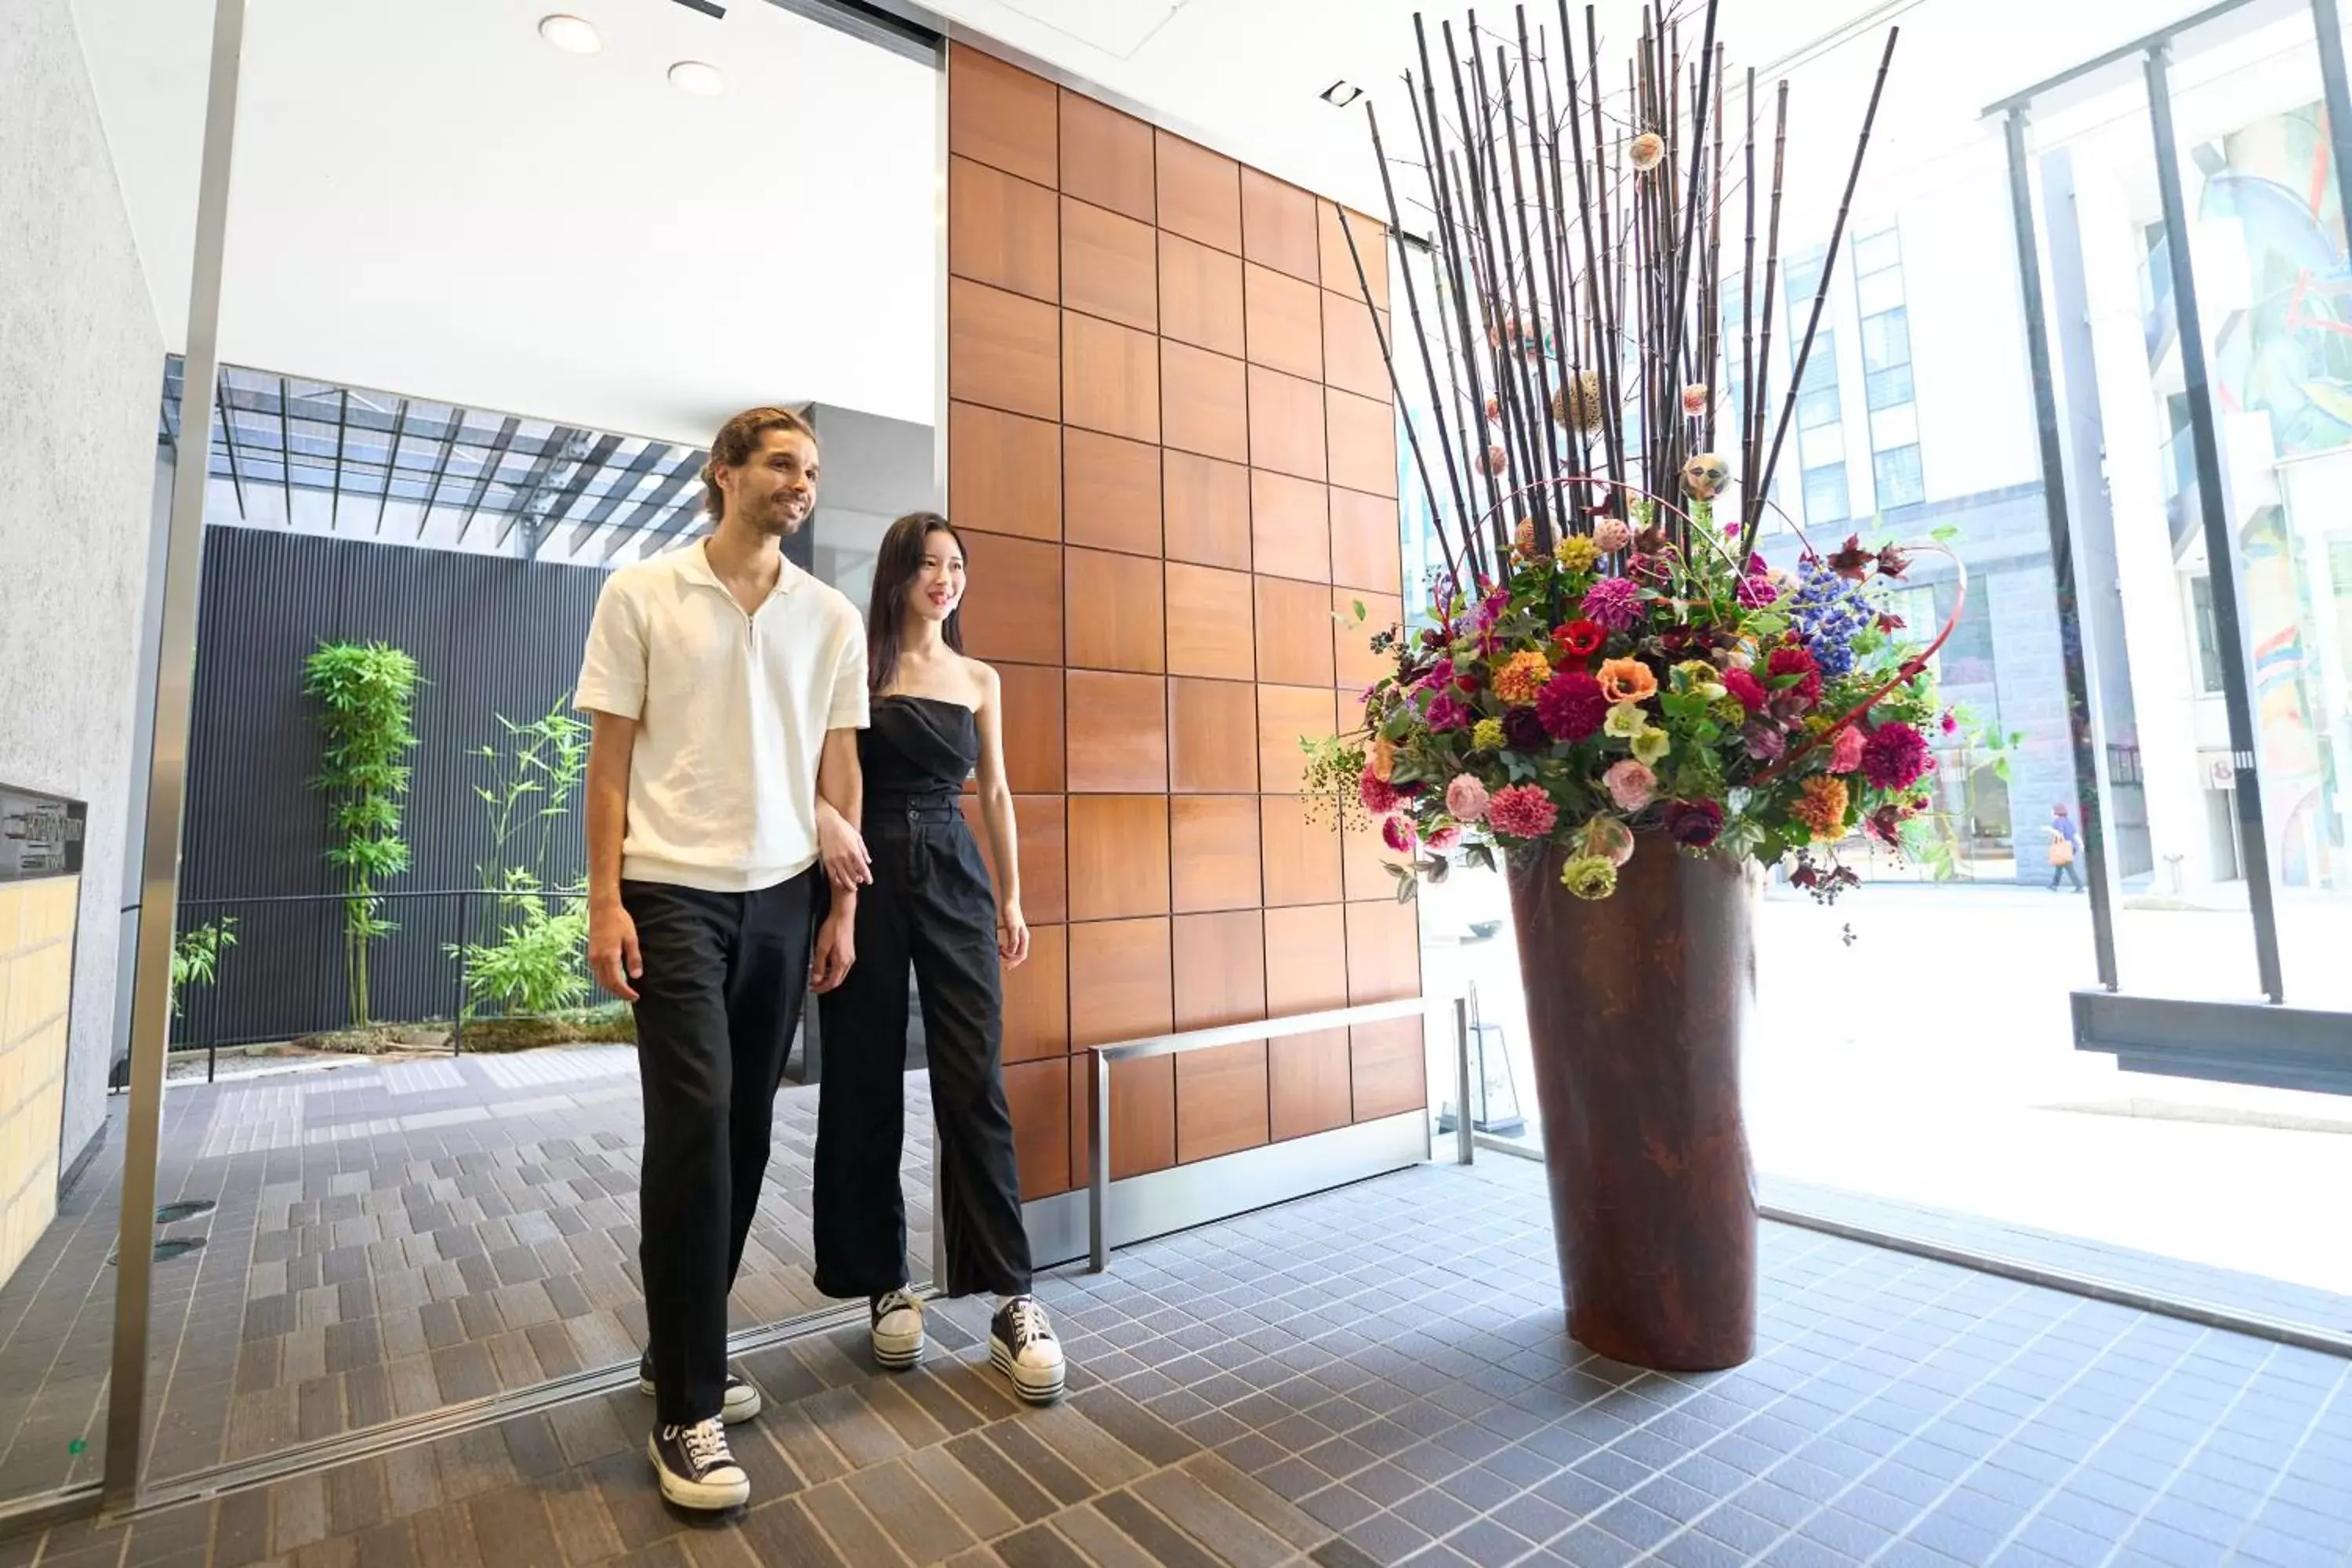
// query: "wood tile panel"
[[1383, 952], [1002, 116], [1362, 444], [1214, 852], [1030, 727], [1286, 321], [1212, 737], [1307, 1083], [1003, 350], [1117, 727], [1364, 859], [1109, 266], [1207, 510], [1038, 998], [1114, 612], [1285, 424], [1290, 527], [1200, 296], [1351, 347], [1001, 230], [1364, 548], [1119, 981], [1205, 402], [1285, 715], [1037, 1094], [1222, 1102], [1305, 960], [1354, 664], [1210, 621], [1371, 248], [1220, 969], [1388, 1068], [1299, 841], [1294, 632], [1016, 612], [1110, 378], [1278, 227], [1004, 472], [1200, 193], [1107, 157], [1118, 856], [1143, 1117], [1111, 493], [1037, 823]]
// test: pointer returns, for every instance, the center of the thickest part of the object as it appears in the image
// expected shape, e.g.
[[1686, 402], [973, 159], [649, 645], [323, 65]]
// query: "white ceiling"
[[430, 200]]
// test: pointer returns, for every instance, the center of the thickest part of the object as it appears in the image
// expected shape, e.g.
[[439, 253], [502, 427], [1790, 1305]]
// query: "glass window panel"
[[1823, 444], [1884, 388], [1825, 494], [1880, 292], [1885, 340], [1900, 482], [1877, 252], [1895, 426], [1817, 407]]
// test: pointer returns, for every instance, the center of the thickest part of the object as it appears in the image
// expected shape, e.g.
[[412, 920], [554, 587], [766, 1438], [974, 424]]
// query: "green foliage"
[[365, 693], [195, 956], [529, 957]]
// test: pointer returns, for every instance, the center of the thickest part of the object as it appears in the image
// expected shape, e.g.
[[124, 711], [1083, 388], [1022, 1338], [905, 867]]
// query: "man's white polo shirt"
[[731, 714]]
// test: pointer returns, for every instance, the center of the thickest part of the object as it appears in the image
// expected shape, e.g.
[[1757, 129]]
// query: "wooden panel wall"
[[1171, 451]]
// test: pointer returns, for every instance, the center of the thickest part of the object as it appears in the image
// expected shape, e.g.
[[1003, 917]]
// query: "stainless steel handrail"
[[1177, 1043]]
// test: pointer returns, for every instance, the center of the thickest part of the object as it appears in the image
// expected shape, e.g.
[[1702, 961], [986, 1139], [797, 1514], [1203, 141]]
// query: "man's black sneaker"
[[1022, 1345], [742, 1401], [698, 1470], [897, 1330]]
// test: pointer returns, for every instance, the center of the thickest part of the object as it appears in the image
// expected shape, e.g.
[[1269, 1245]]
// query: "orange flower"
[[1521, 676], [1627, 680], [1523, 539], [1822, 807]]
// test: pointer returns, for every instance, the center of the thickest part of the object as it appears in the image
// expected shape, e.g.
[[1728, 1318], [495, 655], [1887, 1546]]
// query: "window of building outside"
[[1943, 1081]]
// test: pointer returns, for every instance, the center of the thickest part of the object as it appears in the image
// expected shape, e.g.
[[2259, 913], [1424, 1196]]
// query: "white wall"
[[81, 365]]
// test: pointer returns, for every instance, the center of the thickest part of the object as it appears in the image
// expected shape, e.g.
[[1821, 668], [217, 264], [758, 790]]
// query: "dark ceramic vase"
[[1636, 1006]]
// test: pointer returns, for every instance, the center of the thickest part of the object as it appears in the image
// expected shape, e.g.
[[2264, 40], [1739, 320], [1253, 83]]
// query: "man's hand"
[[842, 848], [613, 955], [836, 950]]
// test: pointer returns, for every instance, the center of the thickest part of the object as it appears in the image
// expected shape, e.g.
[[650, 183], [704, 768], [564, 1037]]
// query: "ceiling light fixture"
[[697, 79], [570, 34], [1340, 94]]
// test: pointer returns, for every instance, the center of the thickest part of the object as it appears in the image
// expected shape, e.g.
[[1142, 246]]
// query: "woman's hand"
[[843, 850], [1011, 936]]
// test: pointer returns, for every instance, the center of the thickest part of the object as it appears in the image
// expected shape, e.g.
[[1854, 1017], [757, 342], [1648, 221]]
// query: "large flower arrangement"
[[1621, 693]]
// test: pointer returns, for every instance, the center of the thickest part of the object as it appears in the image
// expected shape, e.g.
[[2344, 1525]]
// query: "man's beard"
[[781, 520]]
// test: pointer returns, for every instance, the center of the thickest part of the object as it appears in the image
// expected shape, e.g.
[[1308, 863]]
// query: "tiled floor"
[[388, 1239], [1379, 1376]]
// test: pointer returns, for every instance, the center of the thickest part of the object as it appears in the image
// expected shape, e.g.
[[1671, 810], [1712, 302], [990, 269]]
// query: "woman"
[[927, 901]]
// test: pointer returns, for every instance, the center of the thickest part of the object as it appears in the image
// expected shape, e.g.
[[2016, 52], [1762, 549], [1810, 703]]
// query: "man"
[[2066, 844], [726, 687]]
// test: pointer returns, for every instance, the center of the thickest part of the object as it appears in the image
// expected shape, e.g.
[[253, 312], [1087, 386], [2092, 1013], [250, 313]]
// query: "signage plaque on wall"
[[40, 835]]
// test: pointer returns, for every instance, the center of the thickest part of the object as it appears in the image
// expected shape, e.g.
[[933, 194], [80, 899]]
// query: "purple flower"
[[1693, 823], [1615, 603], [1765, 742], [1491, 608], [1447, 713], [1523, 728], [1757, 592], [1893, 756]]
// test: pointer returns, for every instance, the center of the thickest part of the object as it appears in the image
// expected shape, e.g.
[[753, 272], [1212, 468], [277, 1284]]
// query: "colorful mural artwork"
[[2289, 352]]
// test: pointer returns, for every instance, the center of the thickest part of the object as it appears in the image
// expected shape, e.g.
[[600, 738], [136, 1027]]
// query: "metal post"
[[457, 1017], [2221, 546], [150, 1004], [1465, 1138], [1098, 1169], [2081, 728]]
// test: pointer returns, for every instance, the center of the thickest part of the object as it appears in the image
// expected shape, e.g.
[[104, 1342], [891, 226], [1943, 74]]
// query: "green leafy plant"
[[528, 958], [533, 964], [365, 693], [195, 956]]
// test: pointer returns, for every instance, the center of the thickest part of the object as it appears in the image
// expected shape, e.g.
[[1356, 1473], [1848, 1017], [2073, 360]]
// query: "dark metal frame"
[[2262, 1043]]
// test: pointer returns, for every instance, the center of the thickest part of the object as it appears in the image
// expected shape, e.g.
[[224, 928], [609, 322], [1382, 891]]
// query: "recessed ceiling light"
[[570, 34], [697, 79], [1340, 94]]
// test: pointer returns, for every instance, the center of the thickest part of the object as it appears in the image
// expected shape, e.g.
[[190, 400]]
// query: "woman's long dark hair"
[[896, 566]]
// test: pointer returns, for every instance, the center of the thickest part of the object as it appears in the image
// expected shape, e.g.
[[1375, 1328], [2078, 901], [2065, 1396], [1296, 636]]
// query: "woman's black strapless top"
[[917, 752]]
